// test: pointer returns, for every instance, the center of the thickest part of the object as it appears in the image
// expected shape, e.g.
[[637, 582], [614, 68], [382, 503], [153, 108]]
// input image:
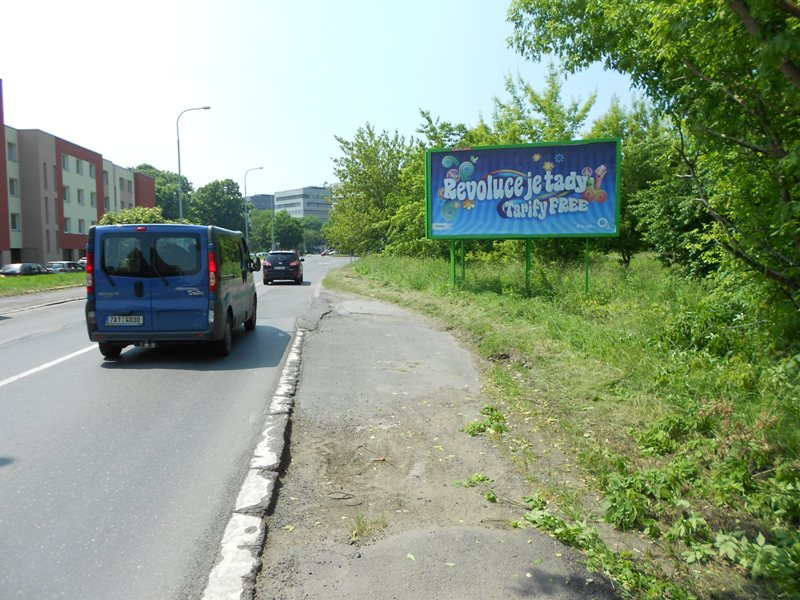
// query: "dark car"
[[282, 264], [24, 269], [65, 266]]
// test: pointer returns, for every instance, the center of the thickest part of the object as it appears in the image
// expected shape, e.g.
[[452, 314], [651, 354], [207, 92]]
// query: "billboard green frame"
[[541, 190], [457, 170]]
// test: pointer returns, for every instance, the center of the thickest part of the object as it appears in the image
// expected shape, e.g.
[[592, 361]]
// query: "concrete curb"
[[234, 575]]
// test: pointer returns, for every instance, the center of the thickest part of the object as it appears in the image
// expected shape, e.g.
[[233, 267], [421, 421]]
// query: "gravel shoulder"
[[368, 505]]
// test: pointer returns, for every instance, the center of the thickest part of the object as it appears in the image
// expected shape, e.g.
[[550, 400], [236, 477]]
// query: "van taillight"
[[90, 272], [212, 272]]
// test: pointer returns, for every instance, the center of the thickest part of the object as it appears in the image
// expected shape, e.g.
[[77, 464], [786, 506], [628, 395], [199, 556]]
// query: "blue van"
[[154, 283]]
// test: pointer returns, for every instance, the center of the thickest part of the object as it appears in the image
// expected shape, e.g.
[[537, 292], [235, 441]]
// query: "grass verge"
[[658, 436], [14, 286]]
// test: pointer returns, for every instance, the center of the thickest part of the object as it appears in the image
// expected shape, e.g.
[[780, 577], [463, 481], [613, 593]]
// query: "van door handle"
[[138, 289]]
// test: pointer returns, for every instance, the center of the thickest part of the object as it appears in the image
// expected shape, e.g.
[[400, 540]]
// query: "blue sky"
[[282, 78]]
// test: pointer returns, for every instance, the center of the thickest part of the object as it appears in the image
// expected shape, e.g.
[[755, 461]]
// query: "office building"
[[311, 201]]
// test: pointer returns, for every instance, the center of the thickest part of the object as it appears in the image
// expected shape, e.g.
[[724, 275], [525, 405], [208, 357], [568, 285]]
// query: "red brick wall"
[[144, 188]]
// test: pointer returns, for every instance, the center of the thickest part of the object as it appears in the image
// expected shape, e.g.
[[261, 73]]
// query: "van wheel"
[[223, 345], [110, 351], [250, 324]]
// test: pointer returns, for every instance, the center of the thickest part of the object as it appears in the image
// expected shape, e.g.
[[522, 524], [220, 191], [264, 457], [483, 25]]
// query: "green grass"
[[12, 286], [677, 411]]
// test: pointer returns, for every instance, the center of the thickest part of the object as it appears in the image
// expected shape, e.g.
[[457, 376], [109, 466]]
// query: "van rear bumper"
[[132, 337]]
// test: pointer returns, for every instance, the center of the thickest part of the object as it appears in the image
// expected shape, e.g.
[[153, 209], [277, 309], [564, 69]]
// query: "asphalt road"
[[117, 478]]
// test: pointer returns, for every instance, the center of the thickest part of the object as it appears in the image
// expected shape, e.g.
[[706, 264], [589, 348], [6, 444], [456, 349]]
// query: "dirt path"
[[368, 506]]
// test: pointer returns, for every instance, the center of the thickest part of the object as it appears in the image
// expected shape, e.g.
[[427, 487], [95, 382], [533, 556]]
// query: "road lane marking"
[[52, 363]]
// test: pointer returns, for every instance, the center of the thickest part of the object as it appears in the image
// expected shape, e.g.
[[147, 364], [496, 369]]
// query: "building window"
[[130, 187], [93, 199], [91, 171], [80, 197], [81, 226], [67, 224], [16, 222], [47, 235], [44, 174], [105, 178], [12, 152], [65, 193], [121, 184], [79, 166], [105, 203], [13, 187], [65, 162], [46, 211]]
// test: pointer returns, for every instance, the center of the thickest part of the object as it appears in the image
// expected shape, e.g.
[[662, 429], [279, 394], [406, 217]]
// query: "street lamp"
[[180, 184], [246, 216]]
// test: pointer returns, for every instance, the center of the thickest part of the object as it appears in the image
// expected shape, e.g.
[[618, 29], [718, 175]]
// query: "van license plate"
[[124, 320]]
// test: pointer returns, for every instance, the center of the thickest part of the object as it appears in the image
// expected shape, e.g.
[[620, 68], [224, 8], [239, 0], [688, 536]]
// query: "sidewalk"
[[12, 304]]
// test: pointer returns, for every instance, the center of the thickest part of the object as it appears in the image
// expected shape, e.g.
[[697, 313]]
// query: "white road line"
[[52, 363]]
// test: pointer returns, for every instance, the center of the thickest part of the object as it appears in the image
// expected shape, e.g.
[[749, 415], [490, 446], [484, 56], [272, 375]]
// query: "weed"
[[494, 422], [474, 481]]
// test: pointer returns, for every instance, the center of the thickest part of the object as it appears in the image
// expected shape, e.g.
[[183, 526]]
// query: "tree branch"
[[740, 7]]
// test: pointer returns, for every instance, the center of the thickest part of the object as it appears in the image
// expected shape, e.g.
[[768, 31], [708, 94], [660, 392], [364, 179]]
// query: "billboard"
[[559, 189]]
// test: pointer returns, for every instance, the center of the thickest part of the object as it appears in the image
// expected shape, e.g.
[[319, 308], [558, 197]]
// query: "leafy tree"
[[166, 184], [530, 116], [136, 214], [288, 232], [260, 229], [218, 203], [650, 161], [728, 73], [366, 197]]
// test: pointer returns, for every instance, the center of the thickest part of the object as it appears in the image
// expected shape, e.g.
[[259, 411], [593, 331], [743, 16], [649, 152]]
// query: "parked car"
[[82, 261], [282, 264], [14, 269], [149, 284], [65, 266]]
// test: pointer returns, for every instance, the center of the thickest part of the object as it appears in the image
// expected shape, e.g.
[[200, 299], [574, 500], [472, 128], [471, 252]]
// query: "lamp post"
[[247, 216], [180, 183]]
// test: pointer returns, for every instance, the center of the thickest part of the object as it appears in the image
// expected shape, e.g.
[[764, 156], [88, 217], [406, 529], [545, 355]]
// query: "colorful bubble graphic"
[[450, 210]]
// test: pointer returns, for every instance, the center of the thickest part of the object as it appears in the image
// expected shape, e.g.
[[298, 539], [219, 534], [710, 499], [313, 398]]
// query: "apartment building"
[[55, 191], [313, 201]]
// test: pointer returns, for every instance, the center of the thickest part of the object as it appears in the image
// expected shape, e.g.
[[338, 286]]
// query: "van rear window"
[[170, 255], [177, 254], [126, 255]]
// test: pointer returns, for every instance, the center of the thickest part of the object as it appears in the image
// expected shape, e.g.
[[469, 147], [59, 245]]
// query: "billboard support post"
[[452, 263], [587, 267], [528, 265], [463, 263]]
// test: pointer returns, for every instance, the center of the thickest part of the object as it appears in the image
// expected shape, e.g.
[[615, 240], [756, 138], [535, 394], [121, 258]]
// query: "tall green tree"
[[728, 73], [260, 229], [218, 203], [367, 195], [530, 116], [313, 240], [288, 232], [650, 163], [166, 183]]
